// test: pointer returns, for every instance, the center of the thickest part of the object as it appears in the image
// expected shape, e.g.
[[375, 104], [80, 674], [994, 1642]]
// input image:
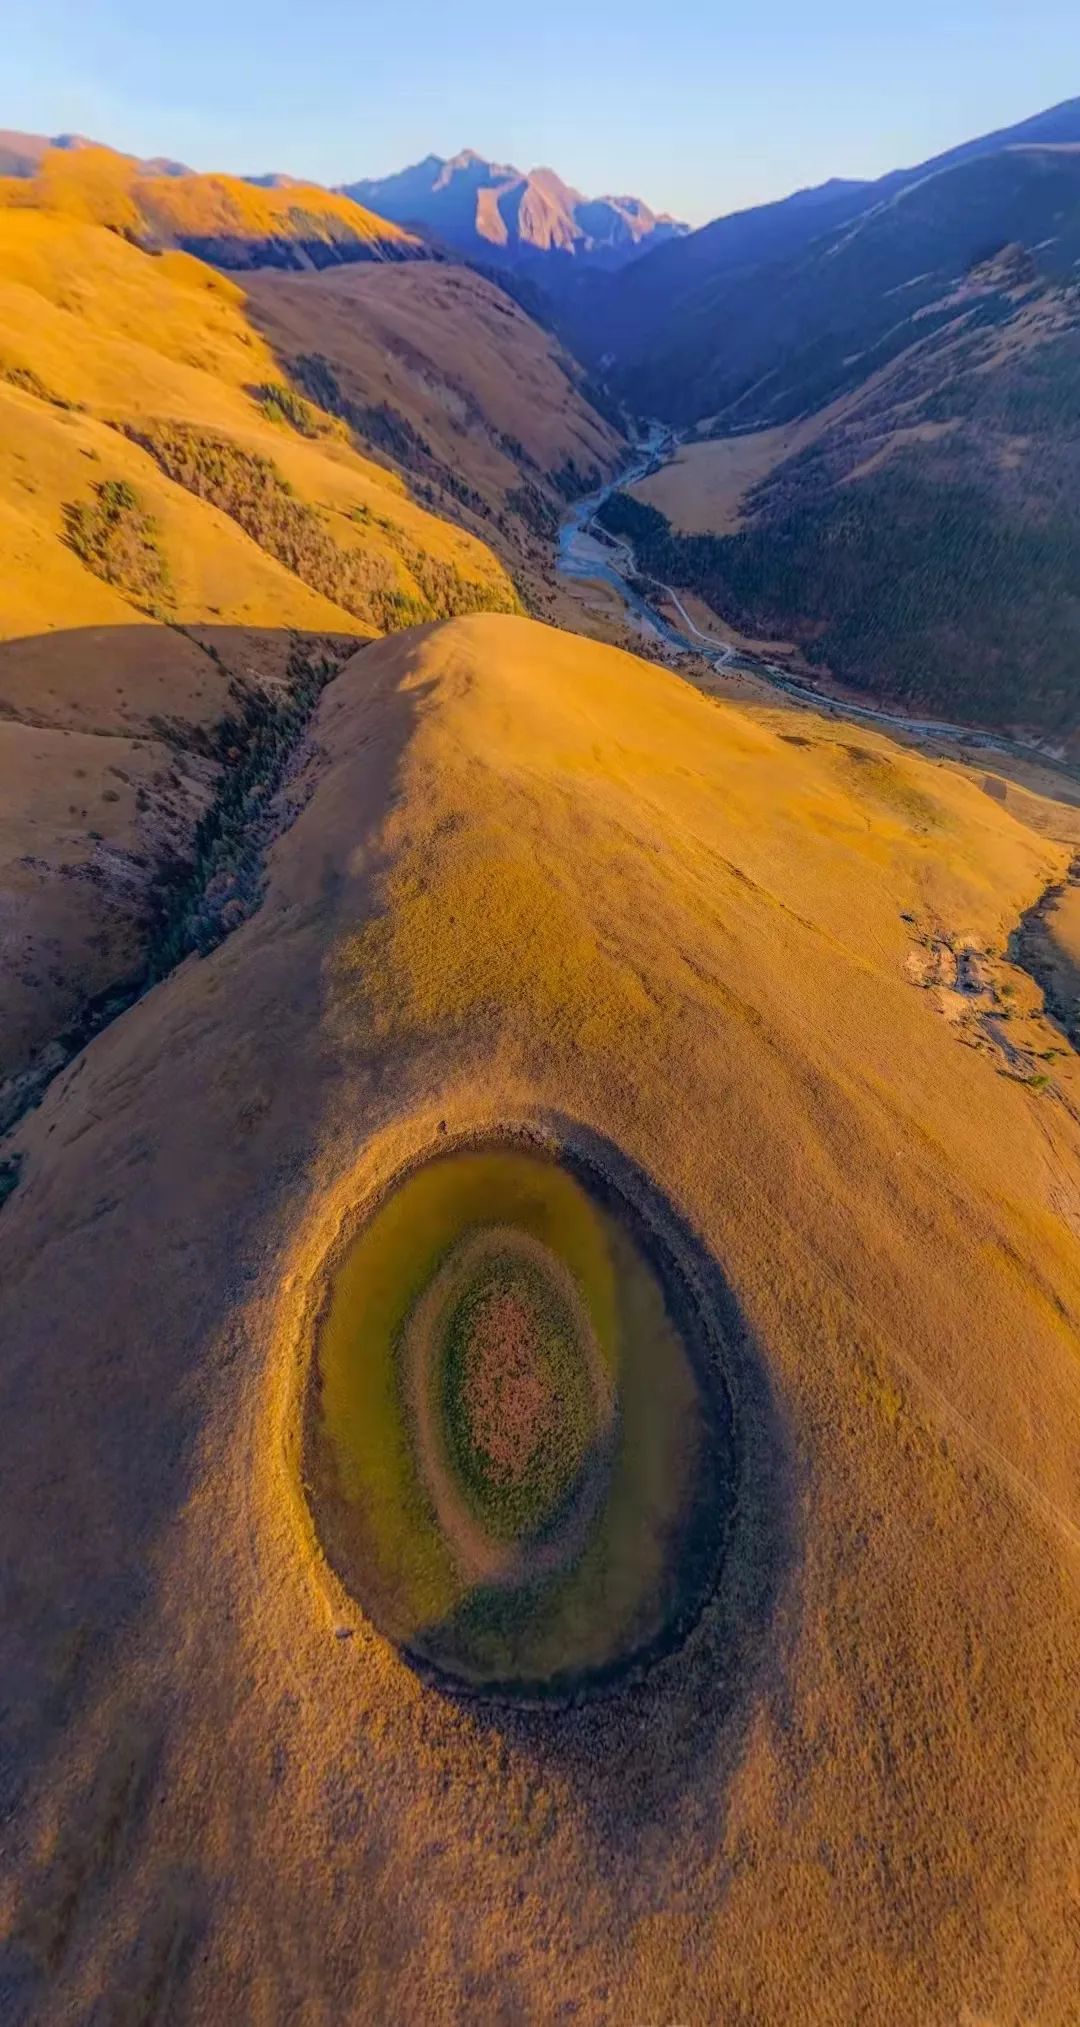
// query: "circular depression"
[[518, 1442]]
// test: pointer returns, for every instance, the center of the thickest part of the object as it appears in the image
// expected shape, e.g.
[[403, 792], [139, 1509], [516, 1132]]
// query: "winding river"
[[586, 552]]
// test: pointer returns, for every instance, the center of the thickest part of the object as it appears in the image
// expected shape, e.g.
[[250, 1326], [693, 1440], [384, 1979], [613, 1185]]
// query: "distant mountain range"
[[771, 311], [492, 212], [919, 535], [477, 210]]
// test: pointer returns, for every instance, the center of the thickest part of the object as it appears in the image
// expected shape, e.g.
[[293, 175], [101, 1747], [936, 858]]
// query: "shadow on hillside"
[[150, 1167], [140, 766]]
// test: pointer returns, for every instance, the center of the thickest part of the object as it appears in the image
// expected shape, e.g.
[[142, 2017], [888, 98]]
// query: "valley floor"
[[602, 570]]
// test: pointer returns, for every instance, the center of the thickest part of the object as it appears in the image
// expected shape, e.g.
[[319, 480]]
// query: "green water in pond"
[[586, 1572]]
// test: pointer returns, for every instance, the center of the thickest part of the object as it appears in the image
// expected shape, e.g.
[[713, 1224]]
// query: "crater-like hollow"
[[519, 1441]]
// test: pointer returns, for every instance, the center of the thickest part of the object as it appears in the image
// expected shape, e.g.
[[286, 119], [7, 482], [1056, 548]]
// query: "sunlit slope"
[[240, 550], [87, 320], [221, 218], [449, 381], [536, 877]]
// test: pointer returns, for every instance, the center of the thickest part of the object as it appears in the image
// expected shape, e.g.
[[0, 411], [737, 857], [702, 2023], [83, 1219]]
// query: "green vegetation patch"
[[513, 1382], [363, 580], [115, 536], [250, 488], [976, 614], [282, 404]]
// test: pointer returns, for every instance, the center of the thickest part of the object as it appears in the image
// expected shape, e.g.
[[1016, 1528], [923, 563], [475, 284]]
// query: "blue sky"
[[698, 106]]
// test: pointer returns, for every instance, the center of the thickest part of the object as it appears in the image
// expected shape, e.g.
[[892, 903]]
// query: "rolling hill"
[[447, 380], [208, 492], [756, 960], [224, 219], [494, 213]]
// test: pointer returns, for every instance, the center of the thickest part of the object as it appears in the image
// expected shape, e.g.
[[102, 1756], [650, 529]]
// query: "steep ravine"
[[196, 899]]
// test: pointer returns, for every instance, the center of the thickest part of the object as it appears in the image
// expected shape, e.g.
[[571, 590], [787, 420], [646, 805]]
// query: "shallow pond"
[[515, 1444]]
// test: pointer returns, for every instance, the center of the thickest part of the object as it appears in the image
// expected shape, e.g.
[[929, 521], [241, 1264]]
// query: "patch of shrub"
[[117, 539], [571, 482], [10, 1171], [250, 488], [221, 883], [384, 433], [378, 426], [282, 404], [534, 508], [31, 382]]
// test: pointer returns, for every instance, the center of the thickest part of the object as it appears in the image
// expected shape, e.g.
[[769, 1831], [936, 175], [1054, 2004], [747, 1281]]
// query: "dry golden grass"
[[702, 489], [490, 398], [535, 878], [97, 337], [101, 187], [451, 350]]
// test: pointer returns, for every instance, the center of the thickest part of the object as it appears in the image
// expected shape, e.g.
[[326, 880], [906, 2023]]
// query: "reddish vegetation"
[[509, 1399]]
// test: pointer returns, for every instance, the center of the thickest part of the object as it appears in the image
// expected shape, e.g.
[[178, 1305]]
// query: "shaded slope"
[[447, 381], [537, 877], [822, 320], [959, 464], [770, 303]]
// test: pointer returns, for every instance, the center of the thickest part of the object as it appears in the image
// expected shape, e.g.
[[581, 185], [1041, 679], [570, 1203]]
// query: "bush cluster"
[[207, 894], [117, 539], [250, 488], [365, 582], [31, 382], [280, 403]]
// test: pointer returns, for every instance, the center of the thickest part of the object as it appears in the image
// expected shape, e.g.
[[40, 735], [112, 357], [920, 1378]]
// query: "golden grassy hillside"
[[759, 957], [183, 543], [452, 383], [221, 218]]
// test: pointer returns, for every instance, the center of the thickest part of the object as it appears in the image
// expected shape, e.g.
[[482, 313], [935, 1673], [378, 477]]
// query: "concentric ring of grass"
[[512, 1504], [487, 1549]]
